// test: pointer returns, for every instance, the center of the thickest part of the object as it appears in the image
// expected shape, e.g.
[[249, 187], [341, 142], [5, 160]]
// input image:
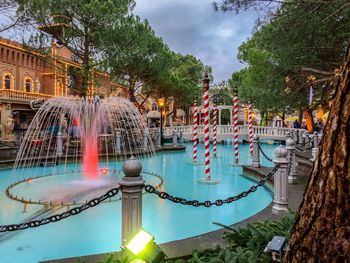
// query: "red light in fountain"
[[104, 171], [90, 158]]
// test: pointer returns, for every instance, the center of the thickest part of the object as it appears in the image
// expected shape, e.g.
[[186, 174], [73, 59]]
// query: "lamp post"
[[161, 104]]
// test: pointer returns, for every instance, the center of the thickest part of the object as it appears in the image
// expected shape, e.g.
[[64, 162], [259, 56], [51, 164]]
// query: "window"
[[8, 81], [60, 91], [28, 85]]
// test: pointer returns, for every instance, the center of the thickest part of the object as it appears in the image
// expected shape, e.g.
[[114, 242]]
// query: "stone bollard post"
[[306, 138], [118, 142], [280, 198], [145, 139], [256, 153], [290, 146], [174, 139], [289, 135], [295, 136], [301, 137], [131, 187], [59, 144], [314, 146]]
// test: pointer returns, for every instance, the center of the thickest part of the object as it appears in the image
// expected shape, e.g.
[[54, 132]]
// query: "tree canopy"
[[296, 42], [78, 25]]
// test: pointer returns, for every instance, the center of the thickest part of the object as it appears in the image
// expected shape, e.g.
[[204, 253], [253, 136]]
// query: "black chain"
[[264, 154], [152, 190], [58, 217]]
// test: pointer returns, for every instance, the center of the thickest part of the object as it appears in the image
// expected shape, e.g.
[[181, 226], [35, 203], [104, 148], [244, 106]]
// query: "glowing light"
[[161, 102], [104, 171], [90, 157], [139, 242]]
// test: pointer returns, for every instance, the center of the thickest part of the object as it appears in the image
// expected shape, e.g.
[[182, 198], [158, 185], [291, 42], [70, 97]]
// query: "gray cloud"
[[194, 27]]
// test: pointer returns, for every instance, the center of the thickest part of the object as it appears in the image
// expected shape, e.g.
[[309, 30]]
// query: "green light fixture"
[[143, 248]]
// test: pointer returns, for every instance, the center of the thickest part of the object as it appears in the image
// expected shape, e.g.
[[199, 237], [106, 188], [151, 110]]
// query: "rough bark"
[[321, 232]]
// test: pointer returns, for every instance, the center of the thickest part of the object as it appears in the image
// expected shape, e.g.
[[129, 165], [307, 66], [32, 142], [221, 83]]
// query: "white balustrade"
[[226, 131]]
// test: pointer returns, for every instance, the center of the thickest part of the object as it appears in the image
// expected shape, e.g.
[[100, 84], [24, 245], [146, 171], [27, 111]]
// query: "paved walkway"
[[182, 248]]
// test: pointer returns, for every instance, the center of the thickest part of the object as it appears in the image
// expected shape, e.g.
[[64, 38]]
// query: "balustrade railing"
[[262, 131], [22, 95]]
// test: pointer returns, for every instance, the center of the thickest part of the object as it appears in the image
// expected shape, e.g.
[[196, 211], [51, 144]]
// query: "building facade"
[[27, 75]]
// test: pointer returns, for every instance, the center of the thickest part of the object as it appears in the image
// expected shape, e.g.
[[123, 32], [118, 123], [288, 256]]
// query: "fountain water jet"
[[89, 128]]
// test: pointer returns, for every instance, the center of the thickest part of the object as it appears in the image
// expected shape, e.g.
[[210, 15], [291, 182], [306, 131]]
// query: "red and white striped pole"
[[206, 125], [195, 128], [235, 126], [214, 130], [250, 127]]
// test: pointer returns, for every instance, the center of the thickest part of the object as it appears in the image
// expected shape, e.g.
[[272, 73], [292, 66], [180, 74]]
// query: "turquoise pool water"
[[98, 230]]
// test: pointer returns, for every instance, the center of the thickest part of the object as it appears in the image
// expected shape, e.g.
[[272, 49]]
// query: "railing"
[[22, 95], [225, 131]]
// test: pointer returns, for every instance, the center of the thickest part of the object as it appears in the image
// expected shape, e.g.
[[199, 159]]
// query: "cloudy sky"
[[194, 27]]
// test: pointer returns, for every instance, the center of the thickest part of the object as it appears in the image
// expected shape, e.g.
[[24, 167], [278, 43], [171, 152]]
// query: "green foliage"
[[136, 57], [298, 39], [113, 258], [187, 75], [78, 25], [245, 244]]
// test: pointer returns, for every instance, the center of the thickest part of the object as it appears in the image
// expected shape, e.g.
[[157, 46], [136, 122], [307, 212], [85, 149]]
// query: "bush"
[[245, 244]]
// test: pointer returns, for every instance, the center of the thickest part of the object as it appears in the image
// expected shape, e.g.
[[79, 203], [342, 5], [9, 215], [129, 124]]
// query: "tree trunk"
[[131, 90], [86, 68], [321, 232]]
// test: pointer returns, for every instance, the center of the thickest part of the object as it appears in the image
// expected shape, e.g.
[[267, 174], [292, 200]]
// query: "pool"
[[98, 230]]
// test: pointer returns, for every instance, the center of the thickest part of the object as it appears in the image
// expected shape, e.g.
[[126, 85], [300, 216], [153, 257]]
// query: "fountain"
[[73, 152], [78, 134]]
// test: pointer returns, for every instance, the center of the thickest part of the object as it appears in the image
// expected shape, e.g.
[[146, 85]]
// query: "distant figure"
[[75, 128], [303, 126], [296, 125]]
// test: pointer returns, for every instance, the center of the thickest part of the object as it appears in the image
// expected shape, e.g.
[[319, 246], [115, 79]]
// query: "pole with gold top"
[[207, 179]]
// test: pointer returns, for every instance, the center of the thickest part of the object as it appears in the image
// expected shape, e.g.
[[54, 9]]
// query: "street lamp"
[[161, 104]]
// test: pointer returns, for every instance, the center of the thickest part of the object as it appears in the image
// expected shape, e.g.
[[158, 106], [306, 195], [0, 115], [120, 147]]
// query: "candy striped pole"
[[235, 126], [250, 127], [206, 126], [214, 130], [195, 128]]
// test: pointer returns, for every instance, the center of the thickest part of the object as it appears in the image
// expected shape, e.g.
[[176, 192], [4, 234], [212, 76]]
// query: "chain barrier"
[[58, 217], [163, 195], [264, 154]]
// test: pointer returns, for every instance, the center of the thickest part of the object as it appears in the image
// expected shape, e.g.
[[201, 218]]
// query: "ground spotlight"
[[143, 247]]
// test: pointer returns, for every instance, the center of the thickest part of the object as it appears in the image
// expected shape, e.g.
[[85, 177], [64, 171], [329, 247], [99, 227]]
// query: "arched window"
[[8, 81], [28, 85]]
